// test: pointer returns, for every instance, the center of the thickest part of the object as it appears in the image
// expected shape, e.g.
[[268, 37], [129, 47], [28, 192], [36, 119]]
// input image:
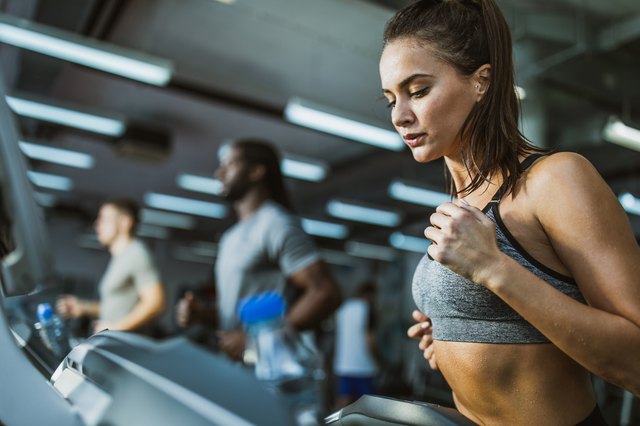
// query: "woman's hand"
[[422, 331], [464, 240]]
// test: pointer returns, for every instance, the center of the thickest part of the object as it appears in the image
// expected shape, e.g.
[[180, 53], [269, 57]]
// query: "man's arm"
[[320, 296], [69, 306]]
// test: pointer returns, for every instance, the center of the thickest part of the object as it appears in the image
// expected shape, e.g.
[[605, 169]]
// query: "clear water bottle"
[[283, 363], [52, 330]]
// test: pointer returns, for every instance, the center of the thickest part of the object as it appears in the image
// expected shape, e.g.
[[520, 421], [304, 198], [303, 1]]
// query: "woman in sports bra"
[[530, 284]]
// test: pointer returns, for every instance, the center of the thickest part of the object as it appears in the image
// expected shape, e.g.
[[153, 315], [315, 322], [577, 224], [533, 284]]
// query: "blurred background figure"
[[356, 356], [132, 295], [266, 250]]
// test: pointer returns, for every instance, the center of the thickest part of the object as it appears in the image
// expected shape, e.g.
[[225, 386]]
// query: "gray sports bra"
[[462, 311]]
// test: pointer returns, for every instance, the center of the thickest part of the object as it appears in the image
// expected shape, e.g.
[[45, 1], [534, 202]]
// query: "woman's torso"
[[517, 383]]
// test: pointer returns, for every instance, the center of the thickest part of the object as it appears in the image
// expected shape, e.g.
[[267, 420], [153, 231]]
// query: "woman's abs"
[[504, 384]]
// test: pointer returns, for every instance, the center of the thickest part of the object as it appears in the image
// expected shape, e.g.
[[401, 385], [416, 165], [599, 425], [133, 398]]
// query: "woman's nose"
[[401, 114]]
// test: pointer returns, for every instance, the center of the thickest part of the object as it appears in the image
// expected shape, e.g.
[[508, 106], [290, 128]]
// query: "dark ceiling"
[[237, 64]]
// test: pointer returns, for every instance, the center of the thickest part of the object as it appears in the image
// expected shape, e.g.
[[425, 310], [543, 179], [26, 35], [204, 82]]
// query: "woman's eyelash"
[[420, 92], [417, 93]]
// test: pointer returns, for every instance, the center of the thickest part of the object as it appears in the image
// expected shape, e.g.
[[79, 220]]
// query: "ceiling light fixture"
[[197, 183], [152, 231], [319, 118], [337, 258], [110, 126], [45, 199], [187, 255], [370, 251], [414, 194], [303, 170], [408, 243], [171, 220], [360, 213], [85, 51], [617, 132], [204, 248], [61, 156], [49, 181], [185, 205], [324, 229], [89, 241]]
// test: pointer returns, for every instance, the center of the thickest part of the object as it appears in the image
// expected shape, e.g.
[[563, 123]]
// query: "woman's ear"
[[482, 80]]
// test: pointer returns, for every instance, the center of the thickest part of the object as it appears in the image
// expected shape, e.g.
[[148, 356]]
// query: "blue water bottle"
[[283, 363], [52, 330]]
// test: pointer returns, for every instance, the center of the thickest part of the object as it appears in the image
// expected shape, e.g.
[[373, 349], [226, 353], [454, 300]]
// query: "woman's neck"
[[462, 177]]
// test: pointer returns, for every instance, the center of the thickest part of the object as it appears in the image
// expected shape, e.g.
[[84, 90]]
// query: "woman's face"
[[428, 98]]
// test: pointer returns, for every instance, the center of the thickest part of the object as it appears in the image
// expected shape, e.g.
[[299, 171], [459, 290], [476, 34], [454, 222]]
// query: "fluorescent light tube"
[[413, 194], [50, 154], [171, 220], [630, 203], [338, 258], [617, 132], [303, 170], [185, 205], [314, 117], [67, 117], [152, 231], [46, 180], [370, 251], [187, 255], [204, 248], [409, 243], [202, 184], [45, 199], [292, 168], [85, 51], [359, 213], [324, 229], [89, 241]]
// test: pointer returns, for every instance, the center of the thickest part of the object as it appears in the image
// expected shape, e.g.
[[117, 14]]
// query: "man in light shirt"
[[131, 293]]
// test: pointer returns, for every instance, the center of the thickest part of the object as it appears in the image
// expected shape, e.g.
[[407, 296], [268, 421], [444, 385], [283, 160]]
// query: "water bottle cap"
[[260, 307], [44, 311]]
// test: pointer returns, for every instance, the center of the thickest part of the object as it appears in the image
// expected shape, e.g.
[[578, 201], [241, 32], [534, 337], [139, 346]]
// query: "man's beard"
[[237, 190]]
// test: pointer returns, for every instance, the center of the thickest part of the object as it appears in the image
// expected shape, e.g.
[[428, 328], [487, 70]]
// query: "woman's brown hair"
[[468, 34]]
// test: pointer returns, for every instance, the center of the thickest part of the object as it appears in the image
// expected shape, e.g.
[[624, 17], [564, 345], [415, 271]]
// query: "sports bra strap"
[[529, 161], [524, 165]]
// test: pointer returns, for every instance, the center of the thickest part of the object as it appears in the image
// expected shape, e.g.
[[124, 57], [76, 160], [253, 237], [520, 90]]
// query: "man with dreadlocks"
[[266, 250]]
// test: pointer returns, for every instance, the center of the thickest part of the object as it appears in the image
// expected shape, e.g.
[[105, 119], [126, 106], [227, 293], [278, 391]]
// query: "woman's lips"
[[413, 139]]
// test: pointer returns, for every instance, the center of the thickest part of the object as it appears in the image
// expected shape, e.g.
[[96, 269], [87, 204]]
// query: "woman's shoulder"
[[565, 179], [562, 163], [560, 171]]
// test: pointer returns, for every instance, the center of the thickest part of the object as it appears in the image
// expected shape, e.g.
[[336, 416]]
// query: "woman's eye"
[[391, 104], [419, 93]]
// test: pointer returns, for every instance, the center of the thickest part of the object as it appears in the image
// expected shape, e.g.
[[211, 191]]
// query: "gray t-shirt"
[[257, 254], [126, 275]]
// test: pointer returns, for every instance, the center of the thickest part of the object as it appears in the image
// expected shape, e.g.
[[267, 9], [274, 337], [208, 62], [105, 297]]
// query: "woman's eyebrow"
[[408, 80]]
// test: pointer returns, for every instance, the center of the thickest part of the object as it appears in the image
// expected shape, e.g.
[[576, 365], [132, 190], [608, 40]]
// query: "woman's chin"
[[421, 155]]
